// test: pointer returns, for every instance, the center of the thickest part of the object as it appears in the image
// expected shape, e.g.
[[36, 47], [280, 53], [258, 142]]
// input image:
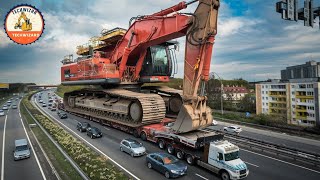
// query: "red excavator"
[[121, 61]]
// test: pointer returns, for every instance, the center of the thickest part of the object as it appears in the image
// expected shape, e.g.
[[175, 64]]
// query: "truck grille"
[[244, 171]]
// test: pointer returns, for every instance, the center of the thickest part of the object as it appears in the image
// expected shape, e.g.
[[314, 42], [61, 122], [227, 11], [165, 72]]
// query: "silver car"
[[132, 147]]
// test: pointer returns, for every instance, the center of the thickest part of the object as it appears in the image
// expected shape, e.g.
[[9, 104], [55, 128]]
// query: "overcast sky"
[[253, 42]]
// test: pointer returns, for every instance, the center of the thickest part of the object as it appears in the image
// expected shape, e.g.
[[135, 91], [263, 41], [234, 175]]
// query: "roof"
[[162, 154], [235, 89], [226, 146], [20, 142]]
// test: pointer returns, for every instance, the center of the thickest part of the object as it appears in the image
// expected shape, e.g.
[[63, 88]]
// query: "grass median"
[[93, 164], [62, 166]]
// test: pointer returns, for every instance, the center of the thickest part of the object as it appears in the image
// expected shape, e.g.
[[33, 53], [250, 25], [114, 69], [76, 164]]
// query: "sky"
[[252, 43]]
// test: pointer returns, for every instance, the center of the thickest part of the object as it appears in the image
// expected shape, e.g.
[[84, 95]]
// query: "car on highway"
[[232, 129], [1, 112], [82, 126], [132, 147], [53, 109], [214, 123], [63, 115], [14, 106], [40, 101], [94, 132], [22, 150], [49, 104], [167, 164], [9, 102], [44, 105], [5, 107]]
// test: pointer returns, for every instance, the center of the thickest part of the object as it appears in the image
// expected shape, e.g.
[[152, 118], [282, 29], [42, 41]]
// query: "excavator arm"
[[200, 29], [26, 25]]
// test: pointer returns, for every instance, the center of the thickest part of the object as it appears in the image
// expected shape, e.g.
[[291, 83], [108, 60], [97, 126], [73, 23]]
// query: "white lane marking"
[[201, 177], [3, 144], [35, 155], [19, 114], [251, 164], [107, 128], [282, 161], [91, 145]]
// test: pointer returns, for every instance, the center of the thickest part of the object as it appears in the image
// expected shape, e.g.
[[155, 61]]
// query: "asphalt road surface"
[[261, 167], [11, 128], [306, 144]]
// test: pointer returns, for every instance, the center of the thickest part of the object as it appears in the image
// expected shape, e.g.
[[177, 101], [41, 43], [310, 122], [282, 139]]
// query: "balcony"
[[301, 110], [301, 117], [304, 97], [276, 94]]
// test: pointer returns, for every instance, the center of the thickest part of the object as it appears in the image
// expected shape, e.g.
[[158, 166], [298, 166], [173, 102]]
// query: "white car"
[[44, 105], [40, 101], [5, 107], [214, 123], [232, 129], [1, 112]]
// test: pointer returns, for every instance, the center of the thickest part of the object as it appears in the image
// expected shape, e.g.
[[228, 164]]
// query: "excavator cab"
[[159, 62]]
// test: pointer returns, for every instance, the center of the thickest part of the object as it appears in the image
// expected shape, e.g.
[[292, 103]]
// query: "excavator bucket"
[[191, 118]]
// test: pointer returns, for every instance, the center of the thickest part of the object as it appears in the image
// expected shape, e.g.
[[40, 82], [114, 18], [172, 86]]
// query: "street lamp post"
[[221, 91]]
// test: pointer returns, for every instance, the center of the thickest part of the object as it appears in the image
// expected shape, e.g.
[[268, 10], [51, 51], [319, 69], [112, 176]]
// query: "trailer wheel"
[[179, 154], [161, 144], [135, 133], [224, 175], [143, 136], [170, 149], [190, 159]]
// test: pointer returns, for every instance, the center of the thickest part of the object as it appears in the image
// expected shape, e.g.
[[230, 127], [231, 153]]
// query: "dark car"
[[94, 132], [63, 115], [82, 126], [167, 164]]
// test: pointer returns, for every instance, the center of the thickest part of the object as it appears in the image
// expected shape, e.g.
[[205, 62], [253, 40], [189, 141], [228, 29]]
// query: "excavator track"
[[117, 105], [171, 96]]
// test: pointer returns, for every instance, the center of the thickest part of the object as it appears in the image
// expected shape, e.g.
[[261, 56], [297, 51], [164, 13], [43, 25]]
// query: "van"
[[22, 149]]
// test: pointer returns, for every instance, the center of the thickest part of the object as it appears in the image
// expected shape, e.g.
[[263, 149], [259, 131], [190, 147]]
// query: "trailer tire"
[[161, 144], [224, 175], [143, 136], [179, 154], [170, 149], [190, 159], [135, 133]]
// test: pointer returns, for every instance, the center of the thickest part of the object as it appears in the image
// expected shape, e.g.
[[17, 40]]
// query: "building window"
[[262, 86], [292, 86], [293, 99], [293, 106], [263, 98], [262, 104], [266, 98], [267, 104], [262, 92], [292, 93], [266, 86], [266, 92]]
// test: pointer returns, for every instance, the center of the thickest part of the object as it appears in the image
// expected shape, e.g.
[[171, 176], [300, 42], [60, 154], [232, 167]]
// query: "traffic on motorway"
[[130, 145]]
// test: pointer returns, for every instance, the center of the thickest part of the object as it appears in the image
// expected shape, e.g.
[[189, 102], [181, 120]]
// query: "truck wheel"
[[143, 136], [225, 175], [190, 159], [161, 144], [179, 154], [170, 149]]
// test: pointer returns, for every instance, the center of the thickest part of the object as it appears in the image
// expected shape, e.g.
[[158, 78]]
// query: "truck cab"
[[225, 157]]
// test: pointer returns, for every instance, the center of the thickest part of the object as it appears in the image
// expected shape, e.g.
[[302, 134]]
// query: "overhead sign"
[[4, 86]]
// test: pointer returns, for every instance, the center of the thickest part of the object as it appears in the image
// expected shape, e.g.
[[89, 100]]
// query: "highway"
[[11, 129], [306, 144], [261, 167]]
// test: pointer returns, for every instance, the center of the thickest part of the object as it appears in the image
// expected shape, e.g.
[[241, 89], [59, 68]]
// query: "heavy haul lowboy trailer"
[[203, 148]]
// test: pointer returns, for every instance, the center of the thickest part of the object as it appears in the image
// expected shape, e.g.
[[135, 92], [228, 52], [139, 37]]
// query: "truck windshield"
[[231, 156]]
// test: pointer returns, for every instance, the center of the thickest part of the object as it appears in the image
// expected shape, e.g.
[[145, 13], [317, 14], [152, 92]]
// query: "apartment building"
[[297, 100]]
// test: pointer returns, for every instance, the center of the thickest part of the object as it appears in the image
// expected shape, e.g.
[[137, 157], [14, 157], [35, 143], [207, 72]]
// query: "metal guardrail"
[[68, 158], [264, 146]]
